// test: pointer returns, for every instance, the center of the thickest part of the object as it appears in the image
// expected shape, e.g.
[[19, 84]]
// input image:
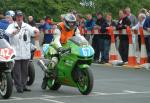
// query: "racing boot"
[[52, 70], [44, 82]]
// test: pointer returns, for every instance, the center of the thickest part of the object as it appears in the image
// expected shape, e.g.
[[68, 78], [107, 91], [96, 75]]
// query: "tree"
[[54, 8]]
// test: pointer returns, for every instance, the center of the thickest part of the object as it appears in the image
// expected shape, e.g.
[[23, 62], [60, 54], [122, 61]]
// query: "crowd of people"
[[20, 35], [101, 43]]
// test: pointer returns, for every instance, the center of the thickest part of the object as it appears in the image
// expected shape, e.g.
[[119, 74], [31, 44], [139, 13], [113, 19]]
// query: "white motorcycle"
[[6, 64]]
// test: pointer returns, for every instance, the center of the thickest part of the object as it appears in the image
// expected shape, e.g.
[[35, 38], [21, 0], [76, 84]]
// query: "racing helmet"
[[70, 21]]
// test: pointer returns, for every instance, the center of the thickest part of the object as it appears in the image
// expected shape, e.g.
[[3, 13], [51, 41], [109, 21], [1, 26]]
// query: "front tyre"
[[85, 82], [6, 85], [52, 85]]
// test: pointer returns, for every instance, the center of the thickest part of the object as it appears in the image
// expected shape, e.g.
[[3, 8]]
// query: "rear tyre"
[[31, 73]]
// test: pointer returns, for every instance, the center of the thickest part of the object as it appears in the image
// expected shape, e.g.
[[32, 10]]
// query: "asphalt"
[[111, 85]]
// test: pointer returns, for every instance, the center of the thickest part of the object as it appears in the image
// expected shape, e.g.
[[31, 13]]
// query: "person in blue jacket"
[[89, 25], [9, 15]]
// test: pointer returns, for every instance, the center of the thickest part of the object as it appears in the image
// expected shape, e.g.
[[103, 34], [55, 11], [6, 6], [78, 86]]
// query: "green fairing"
[[68, 63]]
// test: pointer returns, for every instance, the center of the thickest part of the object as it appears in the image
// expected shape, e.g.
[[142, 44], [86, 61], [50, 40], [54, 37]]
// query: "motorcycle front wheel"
[[6, 85], [52, 85], [85, 81]]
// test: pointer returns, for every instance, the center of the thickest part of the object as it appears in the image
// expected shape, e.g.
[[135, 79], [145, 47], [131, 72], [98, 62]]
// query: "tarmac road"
[[111, 85]]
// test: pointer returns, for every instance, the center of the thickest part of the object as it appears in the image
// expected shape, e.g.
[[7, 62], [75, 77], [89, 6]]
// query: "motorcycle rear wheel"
[[6, 86], [85, 84], [31, 73]]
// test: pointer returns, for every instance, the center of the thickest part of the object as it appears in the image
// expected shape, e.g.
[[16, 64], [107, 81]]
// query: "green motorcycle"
[[73, 67]]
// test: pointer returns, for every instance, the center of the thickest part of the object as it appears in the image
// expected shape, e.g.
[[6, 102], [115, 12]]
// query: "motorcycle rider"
[[64, 31]]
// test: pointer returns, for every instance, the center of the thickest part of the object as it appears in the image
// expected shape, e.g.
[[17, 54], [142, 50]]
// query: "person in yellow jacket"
[[63, 32]]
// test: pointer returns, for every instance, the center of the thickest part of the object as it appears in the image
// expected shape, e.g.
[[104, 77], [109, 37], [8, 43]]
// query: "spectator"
[[20, 34], [146, 27], [31, 21], [47, 28], [97, 41], [33, 24], [106, 38], [80, 23], [89, 24], [144, 22], [123, 22], [141, 20], [9, 15], [133, 21], [144, 11], [41, 28], [131, 17]]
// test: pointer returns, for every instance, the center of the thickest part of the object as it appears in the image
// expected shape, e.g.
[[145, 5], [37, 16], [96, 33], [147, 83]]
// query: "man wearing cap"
[[20, 34]]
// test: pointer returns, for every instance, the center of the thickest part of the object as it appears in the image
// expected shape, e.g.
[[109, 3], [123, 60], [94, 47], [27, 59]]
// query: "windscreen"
[[79, 40], [4, 44]]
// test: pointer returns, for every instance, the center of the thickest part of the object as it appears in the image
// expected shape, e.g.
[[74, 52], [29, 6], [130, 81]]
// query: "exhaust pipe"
[[43, 66]]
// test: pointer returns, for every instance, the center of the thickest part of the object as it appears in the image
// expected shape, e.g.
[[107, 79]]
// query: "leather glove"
[[60, 49], [63, 50]]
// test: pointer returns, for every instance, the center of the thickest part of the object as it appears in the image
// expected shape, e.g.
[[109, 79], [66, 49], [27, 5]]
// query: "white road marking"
[[134, 92], [49, 97], [122, 93], [15, 97], [50, 100], [46, 96], [107, 94], [128, 91], [117, 80]]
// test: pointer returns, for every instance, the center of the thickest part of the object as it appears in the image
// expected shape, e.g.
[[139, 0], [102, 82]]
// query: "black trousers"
[[20, 73], [96, 46], [124, 47]]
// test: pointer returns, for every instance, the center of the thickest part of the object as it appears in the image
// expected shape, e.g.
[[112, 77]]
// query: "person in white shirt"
[[20, 34], [141, 18]]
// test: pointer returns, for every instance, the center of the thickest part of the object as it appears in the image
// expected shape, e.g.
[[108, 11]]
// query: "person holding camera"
[[20, 34]]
